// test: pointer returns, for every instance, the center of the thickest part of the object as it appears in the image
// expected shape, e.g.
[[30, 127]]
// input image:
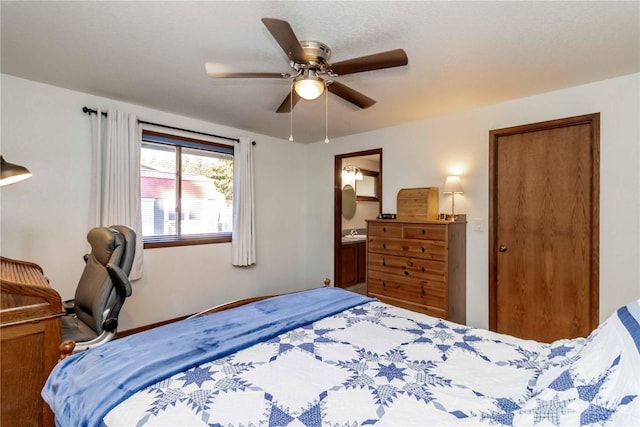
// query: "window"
[[186, 189]]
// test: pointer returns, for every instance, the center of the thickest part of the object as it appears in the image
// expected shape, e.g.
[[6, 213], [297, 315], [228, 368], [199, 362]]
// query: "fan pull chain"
[[291, 113], [326, 114]]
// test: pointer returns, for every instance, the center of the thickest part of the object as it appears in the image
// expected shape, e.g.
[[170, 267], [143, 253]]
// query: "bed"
[[329, 357]]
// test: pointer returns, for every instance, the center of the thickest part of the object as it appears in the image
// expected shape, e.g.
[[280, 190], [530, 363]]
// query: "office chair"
[[92, 316]]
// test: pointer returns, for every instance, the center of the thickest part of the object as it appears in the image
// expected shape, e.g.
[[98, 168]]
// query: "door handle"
[[503, 248]]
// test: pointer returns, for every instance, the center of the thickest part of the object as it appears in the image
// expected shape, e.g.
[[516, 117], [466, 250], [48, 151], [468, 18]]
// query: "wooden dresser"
[[420, 266], [30, 313]]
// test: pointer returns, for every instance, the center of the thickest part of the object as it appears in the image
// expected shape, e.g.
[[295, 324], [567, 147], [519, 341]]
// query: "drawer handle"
[[423, 231], [423, 292], [406, 273], [384, 263], [384, 229], [422, 249], [384, 246], [384, 285], [423, 269]]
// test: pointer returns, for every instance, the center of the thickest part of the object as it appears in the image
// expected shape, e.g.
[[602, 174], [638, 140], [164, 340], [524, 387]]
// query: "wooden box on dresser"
[[420, 266]]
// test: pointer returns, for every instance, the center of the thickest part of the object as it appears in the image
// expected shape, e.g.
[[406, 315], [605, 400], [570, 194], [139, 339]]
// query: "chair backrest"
[[95, 293], [129, 250]]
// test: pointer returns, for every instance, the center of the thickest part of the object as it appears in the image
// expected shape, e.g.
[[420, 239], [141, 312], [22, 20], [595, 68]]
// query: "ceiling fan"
[[312, 71]]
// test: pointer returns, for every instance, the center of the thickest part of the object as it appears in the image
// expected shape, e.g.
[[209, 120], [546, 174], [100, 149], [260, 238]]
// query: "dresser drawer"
[[426, 249], [408, 267], [422, 292], [383, 229], [387, 246], [425, 232], [425, 309]]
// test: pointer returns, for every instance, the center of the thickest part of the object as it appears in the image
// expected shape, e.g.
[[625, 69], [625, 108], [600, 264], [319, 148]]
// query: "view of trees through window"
[[199, 178]]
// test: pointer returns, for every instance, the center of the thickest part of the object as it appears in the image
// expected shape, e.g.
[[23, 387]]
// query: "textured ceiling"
[[462, 55]]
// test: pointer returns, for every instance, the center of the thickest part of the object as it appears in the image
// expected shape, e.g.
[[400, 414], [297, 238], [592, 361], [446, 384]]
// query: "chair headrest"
[[129, 247], [104, 242]]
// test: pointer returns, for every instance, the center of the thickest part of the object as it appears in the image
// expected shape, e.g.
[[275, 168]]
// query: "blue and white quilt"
[[375, 364]]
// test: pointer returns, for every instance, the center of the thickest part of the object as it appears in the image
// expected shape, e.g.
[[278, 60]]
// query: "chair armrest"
[[69, 306], [123, 290]]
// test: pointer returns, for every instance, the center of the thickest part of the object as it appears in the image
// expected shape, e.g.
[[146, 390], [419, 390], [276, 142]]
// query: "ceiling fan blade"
[[377, 61], [248, 75], [286, 38], [285, 107], [218, 71], [351, 95]]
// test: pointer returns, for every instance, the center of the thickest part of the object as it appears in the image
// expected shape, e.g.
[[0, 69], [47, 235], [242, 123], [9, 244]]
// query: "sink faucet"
[[354, 232]]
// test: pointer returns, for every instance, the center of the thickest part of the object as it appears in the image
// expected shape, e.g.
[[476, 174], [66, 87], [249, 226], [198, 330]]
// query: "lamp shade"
[[10, 173], [452, 185]]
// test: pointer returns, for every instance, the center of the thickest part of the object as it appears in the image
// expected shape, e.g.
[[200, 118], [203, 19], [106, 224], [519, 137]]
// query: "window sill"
[[169, 241]]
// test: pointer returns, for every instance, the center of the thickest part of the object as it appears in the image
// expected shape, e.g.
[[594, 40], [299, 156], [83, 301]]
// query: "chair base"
[[98, 341], [85, 338]]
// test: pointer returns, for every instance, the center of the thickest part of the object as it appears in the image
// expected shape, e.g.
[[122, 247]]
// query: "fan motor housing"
[[317, 53]]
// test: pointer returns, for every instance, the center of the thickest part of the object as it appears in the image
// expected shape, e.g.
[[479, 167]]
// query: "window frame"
[[178, 142]]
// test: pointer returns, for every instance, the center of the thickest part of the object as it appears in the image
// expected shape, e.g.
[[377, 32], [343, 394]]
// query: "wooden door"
[[544, 221]]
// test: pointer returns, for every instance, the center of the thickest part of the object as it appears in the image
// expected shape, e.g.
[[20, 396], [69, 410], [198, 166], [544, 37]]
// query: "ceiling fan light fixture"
[[309, 86]]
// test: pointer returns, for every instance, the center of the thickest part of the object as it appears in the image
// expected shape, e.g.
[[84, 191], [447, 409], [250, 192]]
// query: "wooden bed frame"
[[66, 347]]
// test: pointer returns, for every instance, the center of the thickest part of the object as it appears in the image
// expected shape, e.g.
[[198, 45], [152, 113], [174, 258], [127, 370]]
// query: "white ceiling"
[[462, 55]]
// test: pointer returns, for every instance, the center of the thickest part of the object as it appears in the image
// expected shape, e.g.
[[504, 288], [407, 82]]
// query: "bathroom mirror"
[[348, 201], [367, 188]]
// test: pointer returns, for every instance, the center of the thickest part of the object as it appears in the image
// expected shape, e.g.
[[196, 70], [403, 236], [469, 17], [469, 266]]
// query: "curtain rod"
[[88, 110]]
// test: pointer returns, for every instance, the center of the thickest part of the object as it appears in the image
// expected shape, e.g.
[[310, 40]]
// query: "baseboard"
[[122, 334]]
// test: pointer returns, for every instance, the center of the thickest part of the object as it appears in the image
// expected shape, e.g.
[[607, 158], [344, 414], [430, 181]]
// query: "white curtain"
[[115, 196], [243, 243]]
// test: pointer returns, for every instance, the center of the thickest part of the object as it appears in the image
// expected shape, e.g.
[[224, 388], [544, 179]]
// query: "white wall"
[[45, 218], [422, 153]]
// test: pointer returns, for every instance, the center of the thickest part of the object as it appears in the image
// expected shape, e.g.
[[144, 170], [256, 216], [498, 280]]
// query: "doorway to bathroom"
[[357, 197]]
